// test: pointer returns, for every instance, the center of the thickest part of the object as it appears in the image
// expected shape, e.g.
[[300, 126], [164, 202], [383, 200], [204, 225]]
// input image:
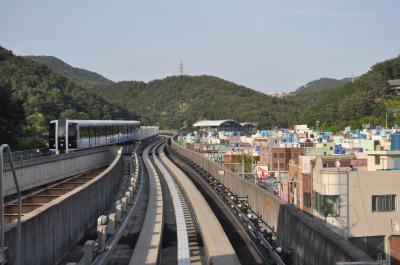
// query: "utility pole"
[[181, 68]]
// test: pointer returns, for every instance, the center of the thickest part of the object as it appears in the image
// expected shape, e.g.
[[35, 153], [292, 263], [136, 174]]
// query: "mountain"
[[367, 100], [80, 76], [322, 84], [179, 101], [43, 95], [310, 93]]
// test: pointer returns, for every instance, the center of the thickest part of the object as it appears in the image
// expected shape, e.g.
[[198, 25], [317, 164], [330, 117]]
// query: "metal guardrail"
[[27, 155], [3, 249]]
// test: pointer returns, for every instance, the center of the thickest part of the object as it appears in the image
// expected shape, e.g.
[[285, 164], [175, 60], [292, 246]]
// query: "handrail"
[[2, 247]]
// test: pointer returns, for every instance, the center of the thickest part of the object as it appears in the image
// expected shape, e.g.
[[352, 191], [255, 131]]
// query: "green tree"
[[35, 124], [12, 115]]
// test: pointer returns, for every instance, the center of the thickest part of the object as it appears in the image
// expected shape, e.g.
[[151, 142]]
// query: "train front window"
[[52, 136], [61, 135]]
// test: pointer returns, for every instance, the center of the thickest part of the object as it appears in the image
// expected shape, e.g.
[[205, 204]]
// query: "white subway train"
[[70, 135]]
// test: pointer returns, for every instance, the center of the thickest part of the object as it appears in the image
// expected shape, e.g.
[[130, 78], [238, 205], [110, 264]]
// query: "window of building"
[[374, 246], [326, 205], [383, 203], [275, 165], [275, 155], [377, 160], [281, 165], [307, 199], [281, 155]]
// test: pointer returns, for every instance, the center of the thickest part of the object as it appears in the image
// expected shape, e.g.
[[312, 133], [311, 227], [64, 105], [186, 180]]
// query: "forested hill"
[[322, 84], [179, 101], [77, 75], [365, 101], [40, 95], [32, 94], [310, 93]]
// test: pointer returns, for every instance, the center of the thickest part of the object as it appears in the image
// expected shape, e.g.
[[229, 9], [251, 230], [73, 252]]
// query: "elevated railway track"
[[172, 216]]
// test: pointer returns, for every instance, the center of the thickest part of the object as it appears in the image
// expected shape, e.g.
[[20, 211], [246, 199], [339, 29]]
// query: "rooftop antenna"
[[181, 68]]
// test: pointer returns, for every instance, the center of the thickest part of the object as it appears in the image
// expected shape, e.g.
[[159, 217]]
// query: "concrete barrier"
[[36, 172], [312, 242], [49, 232]]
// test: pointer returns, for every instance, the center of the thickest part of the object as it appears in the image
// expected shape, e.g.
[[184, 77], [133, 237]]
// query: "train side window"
[[111, 132], [90, 135], [72, 135], [108, 133], [84, 133], [103, 133]]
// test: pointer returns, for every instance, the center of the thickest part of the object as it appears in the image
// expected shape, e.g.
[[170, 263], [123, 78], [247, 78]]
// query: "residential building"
[[358, 199]]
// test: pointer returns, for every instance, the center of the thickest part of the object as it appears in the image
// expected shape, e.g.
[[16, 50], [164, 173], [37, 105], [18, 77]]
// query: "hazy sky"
[[265, 45]]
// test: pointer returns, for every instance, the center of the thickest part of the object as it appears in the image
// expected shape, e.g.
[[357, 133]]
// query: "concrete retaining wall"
[[49, 232], [40, 171], [310, 239]]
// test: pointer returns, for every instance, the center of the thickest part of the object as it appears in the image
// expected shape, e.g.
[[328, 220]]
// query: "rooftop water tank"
[[264, 133], [395, 142]]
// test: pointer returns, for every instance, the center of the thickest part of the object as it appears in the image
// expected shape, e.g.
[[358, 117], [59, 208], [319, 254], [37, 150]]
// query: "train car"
[[71, 135]]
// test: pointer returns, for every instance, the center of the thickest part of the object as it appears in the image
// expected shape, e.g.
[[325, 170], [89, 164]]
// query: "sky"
[[269, 46]]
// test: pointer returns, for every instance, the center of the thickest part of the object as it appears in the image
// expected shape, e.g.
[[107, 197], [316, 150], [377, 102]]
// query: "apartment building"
[[358, 199]]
